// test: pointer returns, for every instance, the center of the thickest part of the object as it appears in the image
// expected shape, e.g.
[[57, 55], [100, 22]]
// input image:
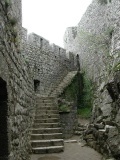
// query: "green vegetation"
[[103, 2], [71, 91], [109, 32], [70, 94], [95, 41], [116, 67], [85, 112], [82, 95], [13, 21], [64, 108], [99, 44], [86, 99], [7, 3], [14, 32], [118, 54]]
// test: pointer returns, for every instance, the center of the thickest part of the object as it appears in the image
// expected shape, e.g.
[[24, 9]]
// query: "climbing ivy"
[[80, 93], [86, 98], [71, 94]]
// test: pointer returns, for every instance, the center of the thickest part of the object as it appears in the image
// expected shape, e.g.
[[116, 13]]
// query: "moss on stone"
[[70, 95], [86, 99]]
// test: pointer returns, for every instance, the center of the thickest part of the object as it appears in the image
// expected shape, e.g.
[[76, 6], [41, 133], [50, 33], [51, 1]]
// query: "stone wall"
[[69, 122], [27, 63], [68, 102], [96, 40], [18, 77], [103, 133], [50, 63]]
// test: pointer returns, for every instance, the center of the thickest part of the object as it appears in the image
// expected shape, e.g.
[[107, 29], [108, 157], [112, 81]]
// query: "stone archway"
[[3, 121]]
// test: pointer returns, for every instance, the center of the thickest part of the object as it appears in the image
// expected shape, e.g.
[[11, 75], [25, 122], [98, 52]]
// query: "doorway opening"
[[36, 85], [3, 121]]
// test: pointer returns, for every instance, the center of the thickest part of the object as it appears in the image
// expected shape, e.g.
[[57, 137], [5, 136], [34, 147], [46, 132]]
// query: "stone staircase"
[[46, 136], [80, 129], [64, 83]]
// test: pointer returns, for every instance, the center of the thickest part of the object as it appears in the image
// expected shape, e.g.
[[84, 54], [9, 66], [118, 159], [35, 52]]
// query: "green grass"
[[86, 98], [85, 112], [82, 97]]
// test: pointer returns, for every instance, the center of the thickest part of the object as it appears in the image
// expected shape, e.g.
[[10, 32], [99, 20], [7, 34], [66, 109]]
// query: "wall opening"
[[59, 51], [3, 121], [41, 43], [36, 85]]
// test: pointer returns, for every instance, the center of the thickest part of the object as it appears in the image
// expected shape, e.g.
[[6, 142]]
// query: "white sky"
[[50, 18]]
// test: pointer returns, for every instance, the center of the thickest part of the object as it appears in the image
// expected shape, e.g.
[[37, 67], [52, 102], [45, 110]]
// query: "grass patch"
[[85, 112], [86, 98]]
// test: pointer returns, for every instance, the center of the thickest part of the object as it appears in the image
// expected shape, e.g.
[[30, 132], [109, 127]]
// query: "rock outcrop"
[[96, 40]]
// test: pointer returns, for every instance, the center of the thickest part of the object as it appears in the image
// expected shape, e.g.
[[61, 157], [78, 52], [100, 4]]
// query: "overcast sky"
[[50, 18]]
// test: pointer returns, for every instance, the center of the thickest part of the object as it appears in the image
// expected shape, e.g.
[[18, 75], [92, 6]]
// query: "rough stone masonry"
[[50, 63], [28, 65], [97, 41], [17, 94]]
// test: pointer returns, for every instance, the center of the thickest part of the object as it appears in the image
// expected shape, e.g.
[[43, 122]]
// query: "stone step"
[[44, 97], [38, 112], [46, 136], [65, 82], [45, 104], [46, 130], [46, 125], [48, 120], [45, 100], [70, 141], [44, 116], [46, 143], [50, 149], [46, 108]]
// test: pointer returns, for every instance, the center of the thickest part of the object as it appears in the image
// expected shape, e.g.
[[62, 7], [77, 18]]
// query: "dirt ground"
[[73, 151]]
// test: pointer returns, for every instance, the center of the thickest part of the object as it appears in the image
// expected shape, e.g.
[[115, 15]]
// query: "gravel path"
[[73, 151]]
